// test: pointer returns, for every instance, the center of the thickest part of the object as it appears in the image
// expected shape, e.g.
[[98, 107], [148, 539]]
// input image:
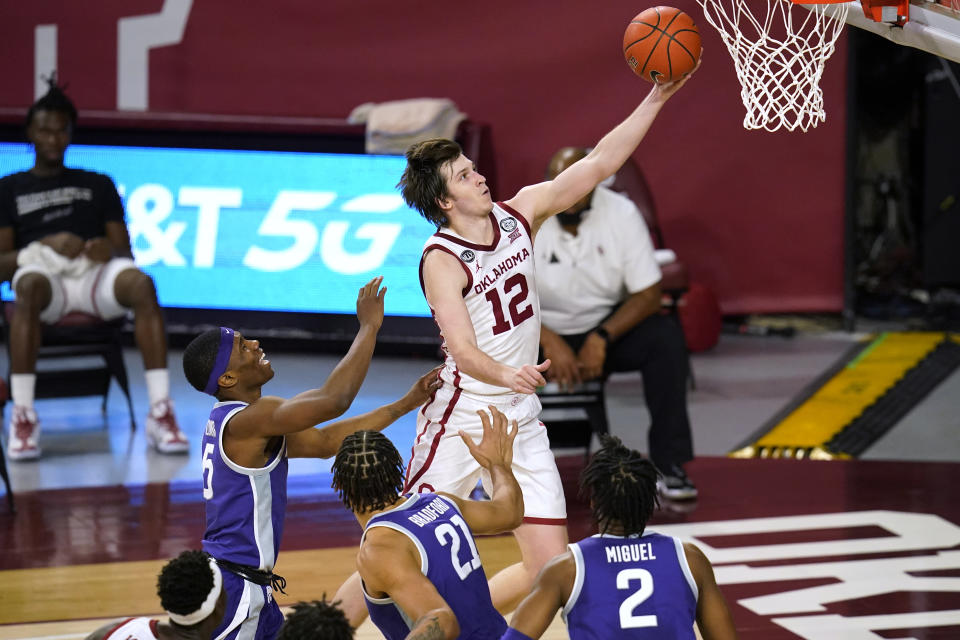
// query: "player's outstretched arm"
[[713, 615], [324, 442], [550, 593], [271, 416], [443, 283], [389, 564], [540, 201], [494, 452]]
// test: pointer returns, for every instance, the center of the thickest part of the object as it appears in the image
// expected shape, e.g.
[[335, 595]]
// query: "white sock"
[[158, 385], [21, 389]]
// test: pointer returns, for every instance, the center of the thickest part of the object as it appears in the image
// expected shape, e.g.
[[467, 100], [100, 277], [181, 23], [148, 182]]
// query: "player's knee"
[[536, 556], [136, 287], [33, 292]]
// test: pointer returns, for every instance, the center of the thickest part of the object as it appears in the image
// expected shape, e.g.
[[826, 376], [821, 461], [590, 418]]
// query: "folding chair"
[[78, 335], [573, 417]]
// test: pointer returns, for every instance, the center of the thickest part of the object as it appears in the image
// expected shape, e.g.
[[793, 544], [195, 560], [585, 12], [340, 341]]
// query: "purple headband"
[[223, 358]]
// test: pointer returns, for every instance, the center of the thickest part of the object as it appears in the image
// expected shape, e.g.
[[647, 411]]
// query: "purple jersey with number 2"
[[635, 587]]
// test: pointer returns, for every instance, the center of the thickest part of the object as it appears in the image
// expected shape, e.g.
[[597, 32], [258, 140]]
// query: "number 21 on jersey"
[[448, 535]]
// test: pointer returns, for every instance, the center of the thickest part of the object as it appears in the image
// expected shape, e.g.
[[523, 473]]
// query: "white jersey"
[[501, 296], [134, 629]]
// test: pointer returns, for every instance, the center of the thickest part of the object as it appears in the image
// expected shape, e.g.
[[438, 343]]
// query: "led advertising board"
[[261, 230]]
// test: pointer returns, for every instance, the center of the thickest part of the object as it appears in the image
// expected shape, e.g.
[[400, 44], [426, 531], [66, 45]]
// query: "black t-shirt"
[[78, 201]]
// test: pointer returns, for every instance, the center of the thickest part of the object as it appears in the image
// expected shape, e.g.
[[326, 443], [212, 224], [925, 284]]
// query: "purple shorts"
[[252, 613]]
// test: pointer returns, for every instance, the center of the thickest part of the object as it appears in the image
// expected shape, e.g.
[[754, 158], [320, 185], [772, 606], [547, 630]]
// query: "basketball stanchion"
[[779, 57]]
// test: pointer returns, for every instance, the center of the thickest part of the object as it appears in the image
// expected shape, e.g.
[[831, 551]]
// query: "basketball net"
[[779, 58]]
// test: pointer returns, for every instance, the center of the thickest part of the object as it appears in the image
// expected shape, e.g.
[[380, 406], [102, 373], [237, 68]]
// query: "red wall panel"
[[758, 216]]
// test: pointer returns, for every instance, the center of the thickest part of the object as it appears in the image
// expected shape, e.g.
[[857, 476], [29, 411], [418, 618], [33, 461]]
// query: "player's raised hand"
[[423, 388], [667, 89], [527, 378], [496, 444], [370, 303]]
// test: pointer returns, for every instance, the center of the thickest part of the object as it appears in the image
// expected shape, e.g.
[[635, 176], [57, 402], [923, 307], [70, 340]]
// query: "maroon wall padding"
[[757, 216]]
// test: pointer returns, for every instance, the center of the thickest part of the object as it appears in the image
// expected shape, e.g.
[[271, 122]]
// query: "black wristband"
[[603, 333]]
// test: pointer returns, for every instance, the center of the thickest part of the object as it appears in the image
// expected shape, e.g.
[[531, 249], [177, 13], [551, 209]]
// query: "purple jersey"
[[245, 507], [449, 559], [635, 587]]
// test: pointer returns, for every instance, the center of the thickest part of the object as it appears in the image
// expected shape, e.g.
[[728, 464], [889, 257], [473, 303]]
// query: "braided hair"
[[185, 582], [422, 183], [317, 620], [54, 100], [622, 485], [368, 471]]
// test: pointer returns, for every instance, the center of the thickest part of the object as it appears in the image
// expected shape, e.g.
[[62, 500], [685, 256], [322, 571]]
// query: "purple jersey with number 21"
[[448, 558]]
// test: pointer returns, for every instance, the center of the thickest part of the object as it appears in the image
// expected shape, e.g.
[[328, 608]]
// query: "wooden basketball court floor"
[[858, 549]]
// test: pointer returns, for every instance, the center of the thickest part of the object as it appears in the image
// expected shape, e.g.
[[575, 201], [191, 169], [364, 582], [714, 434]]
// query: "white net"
[[779, 58]]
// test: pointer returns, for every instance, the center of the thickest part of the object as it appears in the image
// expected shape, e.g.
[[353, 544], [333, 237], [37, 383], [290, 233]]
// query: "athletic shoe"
[[163, 434], [24, 432], [675, 485]]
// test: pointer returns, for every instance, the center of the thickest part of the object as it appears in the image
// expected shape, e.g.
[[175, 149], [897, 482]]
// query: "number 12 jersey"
[[500, 295]]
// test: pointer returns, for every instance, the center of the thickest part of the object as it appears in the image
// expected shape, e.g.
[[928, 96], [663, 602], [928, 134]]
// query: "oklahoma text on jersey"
[[491, 278]]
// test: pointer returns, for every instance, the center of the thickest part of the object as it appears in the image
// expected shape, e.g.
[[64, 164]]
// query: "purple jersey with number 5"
[[448, 558], [500, 296], [634, 587], [245, 507]]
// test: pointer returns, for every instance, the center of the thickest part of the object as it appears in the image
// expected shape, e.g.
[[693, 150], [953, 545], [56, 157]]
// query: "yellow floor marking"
[[845, 396]]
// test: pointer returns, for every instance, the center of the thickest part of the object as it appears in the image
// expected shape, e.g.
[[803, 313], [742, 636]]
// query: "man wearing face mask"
[[599, 287]]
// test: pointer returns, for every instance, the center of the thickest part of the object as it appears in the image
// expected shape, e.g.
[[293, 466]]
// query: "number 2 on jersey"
[[446, 534], [627, 619], [517, 315]]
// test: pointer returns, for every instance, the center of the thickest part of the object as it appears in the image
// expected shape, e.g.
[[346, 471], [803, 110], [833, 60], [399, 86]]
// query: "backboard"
[[930, 26]]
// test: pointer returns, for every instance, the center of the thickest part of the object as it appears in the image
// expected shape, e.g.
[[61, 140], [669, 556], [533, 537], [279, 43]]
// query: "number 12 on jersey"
[[517, 315]]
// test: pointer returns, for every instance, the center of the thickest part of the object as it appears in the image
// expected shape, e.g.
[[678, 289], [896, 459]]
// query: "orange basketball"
[[661, 44]]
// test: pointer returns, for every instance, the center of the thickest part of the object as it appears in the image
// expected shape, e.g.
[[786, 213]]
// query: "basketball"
[[661, 44]]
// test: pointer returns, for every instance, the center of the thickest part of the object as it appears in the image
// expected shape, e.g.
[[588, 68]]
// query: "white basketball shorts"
[[91, 293], [441, 461]]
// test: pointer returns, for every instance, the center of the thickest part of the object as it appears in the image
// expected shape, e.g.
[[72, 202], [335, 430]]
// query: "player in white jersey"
[[191, 591], [482, 293], [501, 299]]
